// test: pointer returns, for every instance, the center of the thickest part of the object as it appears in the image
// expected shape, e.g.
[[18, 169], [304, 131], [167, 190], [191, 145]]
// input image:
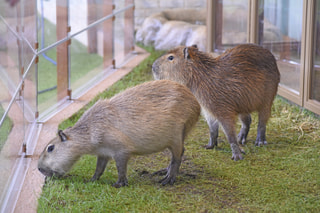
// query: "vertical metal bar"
[[92, 32], [210, 26], [308, 45], [218, 24], [107, 34], [255, 21], [62, 49], [36, 46], [128, 28]]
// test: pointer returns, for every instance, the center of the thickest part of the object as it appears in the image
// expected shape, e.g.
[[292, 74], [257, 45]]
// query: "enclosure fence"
[[51, 52]]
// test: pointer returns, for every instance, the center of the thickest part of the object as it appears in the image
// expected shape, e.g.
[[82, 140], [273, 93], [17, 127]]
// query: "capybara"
[[241, 80], [141, 120]]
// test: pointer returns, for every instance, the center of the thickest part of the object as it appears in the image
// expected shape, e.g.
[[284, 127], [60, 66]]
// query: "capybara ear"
[[186, 53], [195, 46], [63, 137]]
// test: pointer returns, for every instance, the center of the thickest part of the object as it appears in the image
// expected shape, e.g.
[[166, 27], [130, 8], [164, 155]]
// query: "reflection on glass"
[[84, 65], [315, 91], [47, 79], [231, 23], [280, 30], [11, 140]]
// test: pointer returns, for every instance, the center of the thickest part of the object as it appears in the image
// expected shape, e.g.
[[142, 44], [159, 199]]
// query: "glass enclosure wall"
[[18, 93], [51, 51], [280, 31], [231, 26], [290, 29]]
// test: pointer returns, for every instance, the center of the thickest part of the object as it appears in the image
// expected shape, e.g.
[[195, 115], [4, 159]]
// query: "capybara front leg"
[[172, 173], [101, 166], [173, 168], [121, 162]]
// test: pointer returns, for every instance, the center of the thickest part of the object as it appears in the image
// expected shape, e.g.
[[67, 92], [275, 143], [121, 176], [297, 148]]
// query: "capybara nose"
[[154, 66]]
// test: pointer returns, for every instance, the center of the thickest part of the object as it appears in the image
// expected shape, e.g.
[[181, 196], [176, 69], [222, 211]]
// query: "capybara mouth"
[[154, 71], [49, 173]]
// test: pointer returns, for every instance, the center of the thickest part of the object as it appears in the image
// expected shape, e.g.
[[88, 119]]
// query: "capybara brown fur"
[[141, 120], [241, 80]]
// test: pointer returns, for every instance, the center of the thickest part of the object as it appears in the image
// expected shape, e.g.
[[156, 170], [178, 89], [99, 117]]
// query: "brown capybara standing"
[[145, 119], [241, 80]]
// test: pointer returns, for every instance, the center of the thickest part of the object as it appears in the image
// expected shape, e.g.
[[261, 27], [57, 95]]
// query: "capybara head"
[[59, 156], [175, 64]]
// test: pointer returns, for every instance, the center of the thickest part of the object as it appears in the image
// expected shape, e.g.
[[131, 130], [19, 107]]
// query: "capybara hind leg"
[[214, 132], [164, 171], [173, 168], [246, 121], [121, 162], [229, 129], [172, 173], [101, 166], [261, 131]]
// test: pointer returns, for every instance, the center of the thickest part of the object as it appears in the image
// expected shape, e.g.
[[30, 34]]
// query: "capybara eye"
[[171, 57], [50, 148]]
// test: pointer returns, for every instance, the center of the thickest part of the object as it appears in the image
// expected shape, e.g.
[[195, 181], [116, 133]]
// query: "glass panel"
[[11, 140], [128, 28], [315, 89], [30, 95], [29, 23], [47, 70], [280, 31], [47, 23], [85, 66], [119, 51], [47, 80], [84, 13], [9, 52], [5, 80], [231, 23], [91, 52], [29, 34]]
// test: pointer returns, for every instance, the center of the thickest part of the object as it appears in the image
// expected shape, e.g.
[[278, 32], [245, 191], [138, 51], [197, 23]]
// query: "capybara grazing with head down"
[[241, 80], [145, 119]]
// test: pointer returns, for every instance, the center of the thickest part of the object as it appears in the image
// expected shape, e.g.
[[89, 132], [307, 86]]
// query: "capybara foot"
[[120, 183], [242, 138], [94, 178], [261, 143], [237, 157], [236, 152], [168, 180], [209, 146]]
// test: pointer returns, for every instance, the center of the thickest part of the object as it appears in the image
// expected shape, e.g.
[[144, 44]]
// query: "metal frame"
[[14, 184]]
